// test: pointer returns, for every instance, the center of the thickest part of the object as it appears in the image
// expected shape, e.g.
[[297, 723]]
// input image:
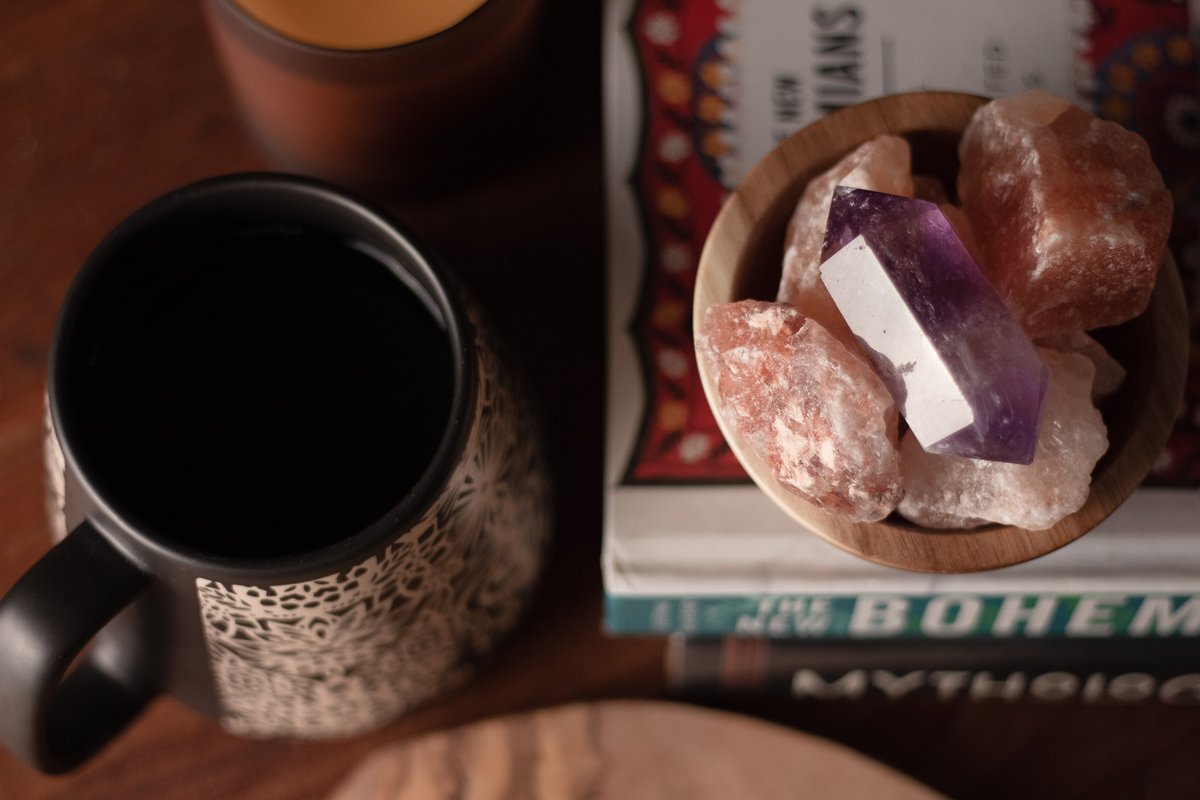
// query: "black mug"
[[295, 485]]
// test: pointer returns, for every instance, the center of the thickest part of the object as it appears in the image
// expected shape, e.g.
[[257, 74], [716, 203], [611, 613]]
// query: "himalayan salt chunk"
[[1109, 372], [951, 492], [882, 164], [1070, 214], [962, 372], [810, 408], [927, 187]]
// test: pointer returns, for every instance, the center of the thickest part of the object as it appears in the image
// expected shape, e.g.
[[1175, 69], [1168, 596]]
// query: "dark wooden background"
[[105, 104]]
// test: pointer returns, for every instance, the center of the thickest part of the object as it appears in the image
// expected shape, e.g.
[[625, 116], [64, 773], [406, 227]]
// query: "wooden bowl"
[[742, 258]]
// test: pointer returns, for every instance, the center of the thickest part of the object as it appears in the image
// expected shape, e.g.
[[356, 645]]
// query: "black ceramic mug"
[[294, 484]]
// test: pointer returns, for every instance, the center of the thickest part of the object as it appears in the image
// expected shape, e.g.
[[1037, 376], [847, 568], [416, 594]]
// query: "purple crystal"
[[964, 374]]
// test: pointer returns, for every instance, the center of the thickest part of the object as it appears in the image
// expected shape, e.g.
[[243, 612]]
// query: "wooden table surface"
[[107, 104]]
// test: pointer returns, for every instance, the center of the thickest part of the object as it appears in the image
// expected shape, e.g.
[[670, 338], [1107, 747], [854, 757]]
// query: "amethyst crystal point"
[[964, 374]]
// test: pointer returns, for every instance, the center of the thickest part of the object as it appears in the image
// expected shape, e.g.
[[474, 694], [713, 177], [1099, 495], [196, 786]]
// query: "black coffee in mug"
[[295, 382], [294, 482]]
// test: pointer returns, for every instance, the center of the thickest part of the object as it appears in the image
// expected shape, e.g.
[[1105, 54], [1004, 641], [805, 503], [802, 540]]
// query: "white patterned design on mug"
[[55, 465], [348, 652]]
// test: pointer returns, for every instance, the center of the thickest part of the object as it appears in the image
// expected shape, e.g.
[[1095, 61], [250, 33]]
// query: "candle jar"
[[370, 102]]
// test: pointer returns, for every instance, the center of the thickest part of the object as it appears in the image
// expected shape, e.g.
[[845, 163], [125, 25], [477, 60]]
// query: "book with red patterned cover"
[[696, 91]]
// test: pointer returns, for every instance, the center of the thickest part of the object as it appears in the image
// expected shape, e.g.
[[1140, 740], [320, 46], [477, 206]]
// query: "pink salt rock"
[[807, 405], [927, 187], [883, 165], [951, 492], [1069, 212], [1109, 372]]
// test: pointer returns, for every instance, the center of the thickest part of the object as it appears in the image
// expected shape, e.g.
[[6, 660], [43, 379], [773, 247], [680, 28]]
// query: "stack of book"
[[696, 91]]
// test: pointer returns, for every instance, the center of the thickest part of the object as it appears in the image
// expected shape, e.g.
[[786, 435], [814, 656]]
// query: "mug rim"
[[403, 250]]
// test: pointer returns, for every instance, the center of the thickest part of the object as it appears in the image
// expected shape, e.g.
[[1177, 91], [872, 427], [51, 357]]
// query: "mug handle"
[[46, 621]]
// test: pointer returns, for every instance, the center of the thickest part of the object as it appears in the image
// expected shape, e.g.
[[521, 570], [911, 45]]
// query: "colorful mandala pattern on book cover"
[[1145, 75]]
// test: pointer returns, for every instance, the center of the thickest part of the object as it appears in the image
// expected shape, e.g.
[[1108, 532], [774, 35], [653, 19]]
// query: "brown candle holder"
[[378, 117]]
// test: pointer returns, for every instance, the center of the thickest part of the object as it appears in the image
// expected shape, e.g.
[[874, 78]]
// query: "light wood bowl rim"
[[794, 161]]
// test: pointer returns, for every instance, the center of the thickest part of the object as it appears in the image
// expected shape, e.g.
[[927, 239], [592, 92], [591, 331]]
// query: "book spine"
[[1087, 671], [958, 615]]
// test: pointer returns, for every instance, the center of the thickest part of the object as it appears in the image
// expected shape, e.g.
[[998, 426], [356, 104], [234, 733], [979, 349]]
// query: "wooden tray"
[[623, 750]]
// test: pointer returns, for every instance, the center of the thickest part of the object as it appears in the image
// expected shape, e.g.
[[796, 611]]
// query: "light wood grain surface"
[[104, 105], [742, 258], [623, 750]]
